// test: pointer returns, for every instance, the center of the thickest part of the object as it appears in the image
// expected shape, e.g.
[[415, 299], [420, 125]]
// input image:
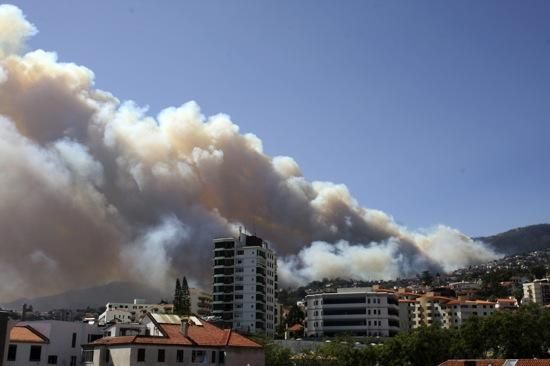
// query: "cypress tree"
[[185, 298], [177, 297]]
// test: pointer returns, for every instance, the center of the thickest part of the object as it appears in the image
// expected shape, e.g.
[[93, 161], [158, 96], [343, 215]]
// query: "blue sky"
[[435, 112]]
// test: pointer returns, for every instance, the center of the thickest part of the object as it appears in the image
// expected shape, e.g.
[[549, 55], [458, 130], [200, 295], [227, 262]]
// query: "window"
[[73, 361], [35, 353], [179, 355], [12, 352], [213, 358], [73, 341], [107, 355], [198, 356], [52, 360], [160, 356], [222, 357], [93, 337], [141, 355], [88, 355]]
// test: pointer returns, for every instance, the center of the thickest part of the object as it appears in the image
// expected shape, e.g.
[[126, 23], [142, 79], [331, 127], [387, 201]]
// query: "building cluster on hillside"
[[382, 312]]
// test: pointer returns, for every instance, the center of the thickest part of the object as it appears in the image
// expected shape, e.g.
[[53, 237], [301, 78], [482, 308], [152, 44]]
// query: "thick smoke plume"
[[93, 189]]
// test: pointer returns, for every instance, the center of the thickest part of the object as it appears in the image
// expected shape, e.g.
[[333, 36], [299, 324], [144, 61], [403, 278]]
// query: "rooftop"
[[199, 333], [26, 334]]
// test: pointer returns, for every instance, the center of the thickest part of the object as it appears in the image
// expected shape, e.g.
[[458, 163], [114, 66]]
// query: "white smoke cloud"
[[103, 191], [14, 29]]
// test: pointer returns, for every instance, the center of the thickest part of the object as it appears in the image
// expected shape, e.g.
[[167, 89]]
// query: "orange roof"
[[207, 335], [296, 328], [470, 302], [406, 300], [498, 362], [507, 300], [494, 362], [26, 334]]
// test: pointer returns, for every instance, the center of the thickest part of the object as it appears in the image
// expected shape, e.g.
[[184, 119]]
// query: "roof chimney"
[[184, 326]]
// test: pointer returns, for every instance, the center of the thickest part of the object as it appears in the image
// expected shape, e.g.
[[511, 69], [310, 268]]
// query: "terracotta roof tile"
[[207, 335], [296, 328], [26, 334], [498, 362]]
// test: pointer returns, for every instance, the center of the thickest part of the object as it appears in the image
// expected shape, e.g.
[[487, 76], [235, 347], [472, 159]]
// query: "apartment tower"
[[245, 284]]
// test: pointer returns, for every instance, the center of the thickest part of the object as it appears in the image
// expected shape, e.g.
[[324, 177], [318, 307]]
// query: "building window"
[[141, 355], [88, 355], [73, 361], [52, 360], [160, 356], [73, 341], [213, 357], [179, 355], [222, 357], [12, 352], [107, 355], [198, 356], [35, 354]]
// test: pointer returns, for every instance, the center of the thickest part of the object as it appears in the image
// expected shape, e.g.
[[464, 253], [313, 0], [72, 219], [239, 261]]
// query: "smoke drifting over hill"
[[93, 189]]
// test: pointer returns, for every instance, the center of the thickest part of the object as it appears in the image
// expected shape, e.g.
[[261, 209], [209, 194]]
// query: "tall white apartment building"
[[245, 284], [537, 291], [357, 311]]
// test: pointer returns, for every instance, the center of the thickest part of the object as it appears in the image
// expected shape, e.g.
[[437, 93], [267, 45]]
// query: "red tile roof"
[[498, 362], [494, 362], [296, 328], [26, 334], [207, 335]]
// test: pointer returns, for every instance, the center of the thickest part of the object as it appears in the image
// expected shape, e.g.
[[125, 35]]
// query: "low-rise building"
[[506, 304], [175, 340], [201, 302], [448, 312], [357, 311], [122, 312], [49, 342]]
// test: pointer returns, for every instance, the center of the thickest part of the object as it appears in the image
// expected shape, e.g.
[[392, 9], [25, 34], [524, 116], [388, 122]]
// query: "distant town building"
[[357, 311], [49, 342], [506, 304], [201, 302], [122, 312], [245, 284], [448, 312], [537, 291], [175, 340]]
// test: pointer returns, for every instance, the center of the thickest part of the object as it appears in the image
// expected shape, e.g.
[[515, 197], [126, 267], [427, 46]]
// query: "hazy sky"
[[435, 112]]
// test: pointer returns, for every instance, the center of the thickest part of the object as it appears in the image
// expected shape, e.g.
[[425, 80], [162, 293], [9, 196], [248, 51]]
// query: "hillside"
[[520, 240], [93, 297]]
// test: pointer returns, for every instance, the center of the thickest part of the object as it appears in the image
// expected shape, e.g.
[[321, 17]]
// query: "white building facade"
[[355, 311], [123, 312], [173, 340], [245, 284], [49, 342], [537, 291]]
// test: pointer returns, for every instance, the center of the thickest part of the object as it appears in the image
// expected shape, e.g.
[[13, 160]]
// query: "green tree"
[[295, 315], [177, 297], [427, 278], [185, 298]]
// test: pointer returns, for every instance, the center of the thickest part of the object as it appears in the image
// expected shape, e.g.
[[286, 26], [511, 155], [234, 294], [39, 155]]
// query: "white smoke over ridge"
[[93, 190]]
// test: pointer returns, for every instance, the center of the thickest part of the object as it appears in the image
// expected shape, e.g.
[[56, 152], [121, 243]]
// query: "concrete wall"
[[127, 355], [5, 326]]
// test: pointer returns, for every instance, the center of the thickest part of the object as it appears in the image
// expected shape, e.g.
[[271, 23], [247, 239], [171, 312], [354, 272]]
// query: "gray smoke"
[[93, 190]]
